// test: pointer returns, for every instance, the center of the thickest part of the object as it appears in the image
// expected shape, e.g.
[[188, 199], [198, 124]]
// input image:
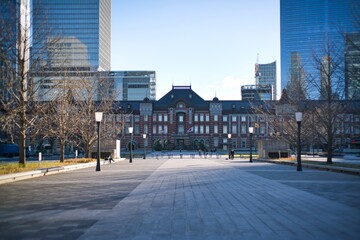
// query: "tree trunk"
[[22, 133], [62, 151], [87, 150], [329, 151]]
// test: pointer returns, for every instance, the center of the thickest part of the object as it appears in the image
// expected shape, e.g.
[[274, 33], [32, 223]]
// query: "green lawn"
[[7, 168]]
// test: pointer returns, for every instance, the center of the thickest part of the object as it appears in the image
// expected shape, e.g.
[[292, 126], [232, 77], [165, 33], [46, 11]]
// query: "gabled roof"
[[184, 94]]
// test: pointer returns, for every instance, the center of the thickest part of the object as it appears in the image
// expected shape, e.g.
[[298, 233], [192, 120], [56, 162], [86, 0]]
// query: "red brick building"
[[181, 119]]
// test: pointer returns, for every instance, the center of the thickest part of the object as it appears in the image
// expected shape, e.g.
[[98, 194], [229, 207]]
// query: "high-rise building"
[[114, 85], [265, 74], [14, 44], [352, 66], [79, 33], [308, 27], [131, 85], [257, 92]]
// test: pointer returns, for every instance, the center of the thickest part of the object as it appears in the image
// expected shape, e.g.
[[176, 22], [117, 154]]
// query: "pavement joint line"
[[158, 190], [182, 199]]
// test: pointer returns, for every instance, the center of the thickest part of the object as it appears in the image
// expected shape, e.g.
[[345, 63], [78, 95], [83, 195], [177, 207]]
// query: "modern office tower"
[[352, 66], [131, 85], [14, 43], [95, 85], [78, 33], [296, 85], [257, 92], [265, 74], [308, 27]]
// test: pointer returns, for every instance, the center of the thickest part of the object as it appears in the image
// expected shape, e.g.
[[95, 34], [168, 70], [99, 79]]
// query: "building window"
[[181, 118], [233, 129], [225, 140], [196, 117], [160, 129], [233, 143], [181, 129], [243, 118], [356, 130], [137, 118], [146, 118], [160, 117], [154, 118], [216, 130], [216, 118], [201, 117], [136, 129], [262, 130], [225, 117], [145, 128], [154, 129], [165, 130], [201, 129], [165, 117], [207, 129], [243, 129], [225, 129], [243, 144], [216, 142], [233, 118], [196, 129], [207, 118]]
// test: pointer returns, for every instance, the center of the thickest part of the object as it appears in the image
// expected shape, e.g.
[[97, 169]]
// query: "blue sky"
[[210, 44]]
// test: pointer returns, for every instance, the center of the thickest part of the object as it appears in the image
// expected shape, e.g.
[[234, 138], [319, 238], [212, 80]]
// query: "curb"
[[13, 177], [315, 166]]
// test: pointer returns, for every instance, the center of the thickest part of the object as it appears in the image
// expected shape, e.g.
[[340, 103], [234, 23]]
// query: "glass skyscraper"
[[79, 33], [307, 26], [265, 74]]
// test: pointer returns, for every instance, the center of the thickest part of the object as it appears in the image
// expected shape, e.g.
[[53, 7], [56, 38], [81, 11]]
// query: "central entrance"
[[180, 144]]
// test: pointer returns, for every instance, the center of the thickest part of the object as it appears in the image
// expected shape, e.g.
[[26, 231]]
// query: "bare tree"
[[17, 89], [329, 83], [93, 96]]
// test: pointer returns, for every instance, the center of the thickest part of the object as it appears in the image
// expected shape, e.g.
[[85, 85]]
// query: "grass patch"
[[14, 167], [335, 164], [322, 163]]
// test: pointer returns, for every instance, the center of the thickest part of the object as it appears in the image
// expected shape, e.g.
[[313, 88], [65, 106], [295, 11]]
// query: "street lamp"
[[298, 117], [131, 138], [144, 137], [229, 138], [251, 130], [98, 118]]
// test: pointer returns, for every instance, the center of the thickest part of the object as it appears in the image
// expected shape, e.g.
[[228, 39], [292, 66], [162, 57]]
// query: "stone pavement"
[[183, 199]]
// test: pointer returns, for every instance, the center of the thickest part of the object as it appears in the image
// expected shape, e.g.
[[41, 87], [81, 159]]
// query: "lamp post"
[[251, 130], [298, 117], [131, 136], [98, 118], [144, 137], [229, 138]]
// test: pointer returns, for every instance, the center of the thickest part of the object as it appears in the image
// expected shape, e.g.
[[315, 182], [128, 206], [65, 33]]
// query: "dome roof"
[[215, 99]]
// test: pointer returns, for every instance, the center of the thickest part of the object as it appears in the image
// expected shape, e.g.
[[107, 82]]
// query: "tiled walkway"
[[182, 199]]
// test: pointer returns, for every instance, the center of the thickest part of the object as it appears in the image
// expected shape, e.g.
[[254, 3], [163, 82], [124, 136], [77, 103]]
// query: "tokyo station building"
[[182, 120]]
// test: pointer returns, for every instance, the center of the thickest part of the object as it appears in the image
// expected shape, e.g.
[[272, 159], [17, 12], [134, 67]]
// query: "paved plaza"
[[188, 198]]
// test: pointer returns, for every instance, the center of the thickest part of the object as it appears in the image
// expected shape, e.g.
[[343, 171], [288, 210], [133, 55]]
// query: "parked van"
[[9, 150]]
